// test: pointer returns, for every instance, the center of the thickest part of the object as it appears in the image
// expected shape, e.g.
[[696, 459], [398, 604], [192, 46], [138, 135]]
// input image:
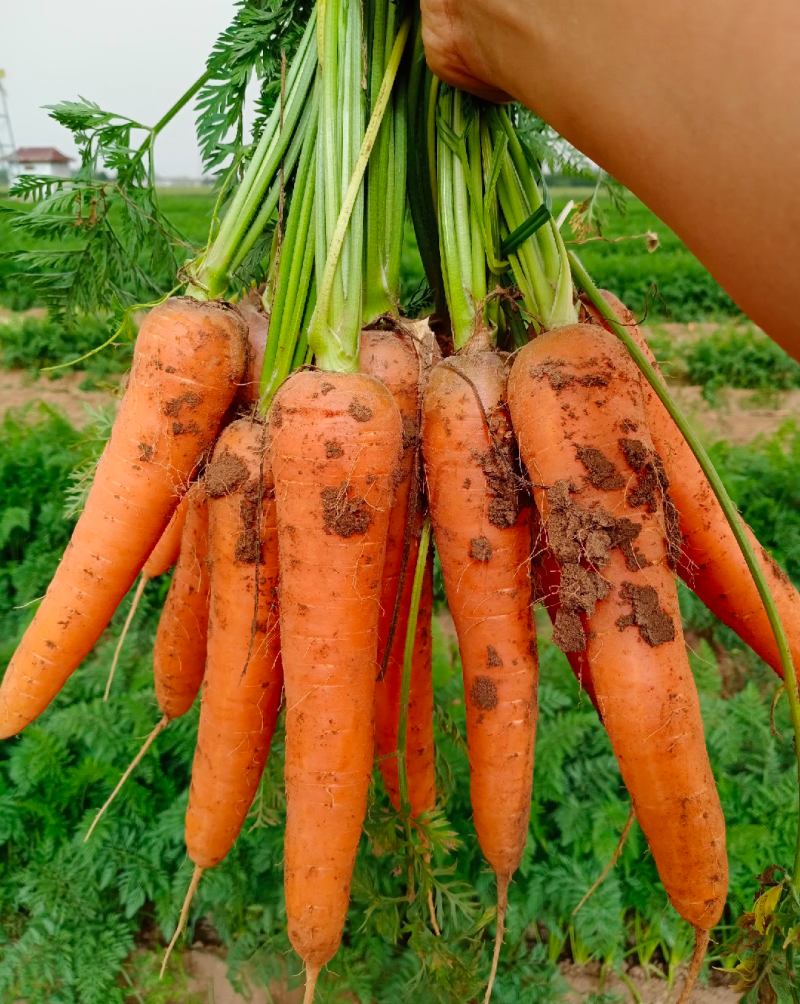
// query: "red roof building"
[[40, 160]]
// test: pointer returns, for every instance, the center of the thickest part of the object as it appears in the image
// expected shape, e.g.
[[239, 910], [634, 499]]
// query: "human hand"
[[460, 39]]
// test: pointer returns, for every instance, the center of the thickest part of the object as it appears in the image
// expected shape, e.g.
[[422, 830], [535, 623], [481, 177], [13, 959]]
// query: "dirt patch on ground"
[[740, 415], [18, 388], [585, 980]]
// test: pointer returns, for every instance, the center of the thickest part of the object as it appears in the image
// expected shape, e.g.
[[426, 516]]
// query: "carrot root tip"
[[196, 876], [312, 973], [162, 724], [432, 912], [502, 904], [701, 939]]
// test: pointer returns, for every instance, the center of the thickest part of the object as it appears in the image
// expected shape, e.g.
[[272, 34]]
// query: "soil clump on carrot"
[[224, 475], [342, 515], [655, 625]]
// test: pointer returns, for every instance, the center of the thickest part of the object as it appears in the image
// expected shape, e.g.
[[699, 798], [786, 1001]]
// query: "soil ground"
[[207, 978]]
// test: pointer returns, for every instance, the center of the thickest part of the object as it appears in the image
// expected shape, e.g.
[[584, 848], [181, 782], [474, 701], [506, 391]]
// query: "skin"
[[159, 438], [337, 438], [394, 360], [179, 653], [691, 105], [489, 598], [711, 563], [243, 678], [644, 690]]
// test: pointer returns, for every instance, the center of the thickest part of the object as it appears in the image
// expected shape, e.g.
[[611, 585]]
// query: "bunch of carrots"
[[292, 452]]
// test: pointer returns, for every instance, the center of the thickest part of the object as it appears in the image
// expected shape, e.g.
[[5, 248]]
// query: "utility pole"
[[8, 147]]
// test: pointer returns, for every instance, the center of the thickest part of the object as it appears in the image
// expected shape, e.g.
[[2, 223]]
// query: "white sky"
[[135, 57]]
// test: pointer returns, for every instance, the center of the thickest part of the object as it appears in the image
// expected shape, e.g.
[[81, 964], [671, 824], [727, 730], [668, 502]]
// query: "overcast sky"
[[134, 58]]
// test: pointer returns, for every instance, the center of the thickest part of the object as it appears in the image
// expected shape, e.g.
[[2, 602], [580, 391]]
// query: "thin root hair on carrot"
[[143, 580], [701, 939], [197, 874], [312, 974], [626, 829], [162, 724], [502, 905]]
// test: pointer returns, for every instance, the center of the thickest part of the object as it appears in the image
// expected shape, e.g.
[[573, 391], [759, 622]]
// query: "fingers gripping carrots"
[[399, 362], [189, 357], [578, 412], [480, 515], [335, 441]]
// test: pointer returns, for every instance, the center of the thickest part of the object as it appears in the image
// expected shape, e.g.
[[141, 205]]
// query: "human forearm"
[[693, 105]]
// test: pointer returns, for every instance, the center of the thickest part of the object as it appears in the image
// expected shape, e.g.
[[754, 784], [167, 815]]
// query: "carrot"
[[395, 359], [162, 558], [711, 562], [180, 649], [335, 443], [578, 412], [189, 357], [243, 680], [179, 653], [480, 517], [257, 331]]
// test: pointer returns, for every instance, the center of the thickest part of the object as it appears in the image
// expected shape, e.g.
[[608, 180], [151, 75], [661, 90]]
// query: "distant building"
[[41, 160]]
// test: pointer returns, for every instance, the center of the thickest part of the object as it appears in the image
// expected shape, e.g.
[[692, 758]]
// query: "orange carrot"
[[710, 561], [257, 331], [335, 441], [179, 653], [480, 514], [578, 412], [163, 557], [243, 680], [180, 648], [398, 362], [189, 358]]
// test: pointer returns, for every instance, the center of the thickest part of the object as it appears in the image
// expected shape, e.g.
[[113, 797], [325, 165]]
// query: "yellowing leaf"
[[765, 906], [793, 937]]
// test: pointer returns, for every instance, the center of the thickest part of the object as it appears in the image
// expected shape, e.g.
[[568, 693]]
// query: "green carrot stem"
[[270, 203], [211, 271], [420, 197], [338, 350], [405, 682], [583, 279]]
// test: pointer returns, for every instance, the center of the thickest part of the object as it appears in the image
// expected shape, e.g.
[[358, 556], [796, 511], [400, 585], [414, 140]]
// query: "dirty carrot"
[[336, 439], [399, 361], [243, 680], [163, 557], [179, 652], [578, 412], [189, 358], [480, 514], [711, 562]]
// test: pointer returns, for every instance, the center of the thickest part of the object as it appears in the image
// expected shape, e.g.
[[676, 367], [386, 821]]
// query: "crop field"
[[81, 923]]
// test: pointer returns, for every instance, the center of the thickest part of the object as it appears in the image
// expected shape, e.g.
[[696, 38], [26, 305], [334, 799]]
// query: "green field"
[[685, 290]]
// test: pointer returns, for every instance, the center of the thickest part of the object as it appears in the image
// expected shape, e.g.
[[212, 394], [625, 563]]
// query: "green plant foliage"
[[736, 357], [32, 343]]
